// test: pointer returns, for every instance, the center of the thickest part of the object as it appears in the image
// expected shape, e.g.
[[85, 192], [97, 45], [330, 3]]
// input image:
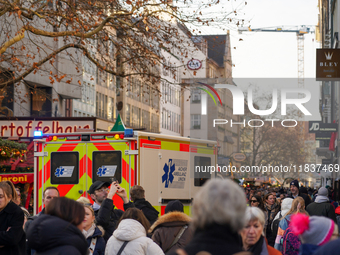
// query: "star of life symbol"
[[64, 171], [106, 171], [168, 176]]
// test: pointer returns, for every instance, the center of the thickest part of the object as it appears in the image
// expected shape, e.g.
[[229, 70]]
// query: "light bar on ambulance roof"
[[128, 132], [38, 134]]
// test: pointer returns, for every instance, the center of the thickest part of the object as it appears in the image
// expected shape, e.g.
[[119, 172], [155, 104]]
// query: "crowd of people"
[[226, 219]]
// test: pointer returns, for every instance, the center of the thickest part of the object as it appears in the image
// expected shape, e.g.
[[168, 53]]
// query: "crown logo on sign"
[[328, 56]]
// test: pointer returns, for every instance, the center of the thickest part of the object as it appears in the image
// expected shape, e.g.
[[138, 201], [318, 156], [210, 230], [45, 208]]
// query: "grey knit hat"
[[323, 192], [315, 230]]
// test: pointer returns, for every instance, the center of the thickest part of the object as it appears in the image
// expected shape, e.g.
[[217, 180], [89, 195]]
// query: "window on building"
[[195, 121], [201, 177], [97, 104], [196, 96], [110, 108], [146, 95], [41, 106], [105, 106], [127, 114], [146, 120], [128, 87], [154, 123]]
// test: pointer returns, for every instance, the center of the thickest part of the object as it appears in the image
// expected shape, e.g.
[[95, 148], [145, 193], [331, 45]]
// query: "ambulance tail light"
[[121, 136], [50, 138], [128, 133]]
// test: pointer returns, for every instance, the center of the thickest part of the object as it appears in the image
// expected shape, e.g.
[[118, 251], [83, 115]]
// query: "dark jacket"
[[99, 249], [167, 227], [332, 247], [308, 249], [50, 235], [149, 211], [305, 197], [12, 239], [322, 209], [108, 217], [216, 239]]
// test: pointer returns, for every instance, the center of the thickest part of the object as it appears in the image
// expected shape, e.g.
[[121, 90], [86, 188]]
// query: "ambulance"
[[163, 165]]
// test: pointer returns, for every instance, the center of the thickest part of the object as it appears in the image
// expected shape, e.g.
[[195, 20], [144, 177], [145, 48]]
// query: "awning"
[[18, 178]]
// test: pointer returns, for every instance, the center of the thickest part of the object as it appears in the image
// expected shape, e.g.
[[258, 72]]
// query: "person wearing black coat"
[[58, 231], [137, 194], [12, 236], [104, 209], [294, 188], [149, 211], [53, 235]]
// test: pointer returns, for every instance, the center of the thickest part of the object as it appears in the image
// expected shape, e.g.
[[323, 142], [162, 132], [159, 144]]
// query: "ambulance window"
[[106, 165], [65, 167], [203, 175]]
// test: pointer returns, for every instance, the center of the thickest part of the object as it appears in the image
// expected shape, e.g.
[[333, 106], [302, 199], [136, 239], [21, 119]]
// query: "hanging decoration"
[[11, 149]]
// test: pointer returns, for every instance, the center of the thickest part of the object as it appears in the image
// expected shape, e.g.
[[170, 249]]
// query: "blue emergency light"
[[38, 134], [128, 132]]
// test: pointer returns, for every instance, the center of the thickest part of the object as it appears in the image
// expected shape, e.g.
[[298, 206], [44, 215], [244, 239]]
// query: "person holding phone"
[[104, 209]]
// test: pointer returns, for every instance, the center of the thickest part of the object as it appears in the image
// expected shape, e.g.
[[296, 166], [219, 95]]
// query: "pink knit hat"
[[315, 230]]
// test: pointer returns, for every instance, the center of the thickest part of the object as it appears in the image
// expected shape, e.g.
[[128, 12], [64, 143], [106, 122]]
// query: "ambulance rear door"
[[107, 159], [63, 166]]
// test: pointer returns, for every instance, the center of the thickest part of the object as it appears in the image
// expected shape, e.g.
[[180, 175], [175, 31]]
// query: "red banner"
[[17, 178]]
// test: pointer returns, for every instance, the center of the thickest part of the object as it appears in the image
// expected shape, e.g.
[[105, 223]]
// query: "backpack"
[[291, 243]]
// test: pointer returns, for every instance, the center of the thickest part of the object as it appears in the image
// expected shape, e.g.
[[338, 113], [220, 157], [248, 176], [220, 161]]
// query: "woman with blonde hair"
[[253, 233], [298, 206], [92, 232]]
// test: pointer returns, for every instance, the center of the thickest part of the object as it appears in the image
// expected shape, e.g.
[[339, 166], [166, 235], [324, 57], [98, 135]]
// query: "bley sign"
[[327, 64]]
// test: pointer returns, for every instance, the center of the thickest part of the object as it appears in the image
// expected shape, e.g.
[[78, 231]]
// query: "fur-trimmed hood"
[[171, 217], [101, 230]]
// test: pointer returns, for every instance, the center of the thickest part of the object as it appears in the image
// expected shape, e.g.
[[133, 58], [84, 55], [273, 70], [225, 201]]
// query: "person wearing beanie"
[[313, 231], [322, 206], [170, 225], [294, 188]]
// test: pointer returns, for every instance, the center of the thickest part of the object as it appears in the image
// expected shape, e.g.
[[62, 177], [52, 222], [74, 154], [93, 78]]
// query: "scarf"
[[270, 213], [321, 199], [260, 248], [89, 232]]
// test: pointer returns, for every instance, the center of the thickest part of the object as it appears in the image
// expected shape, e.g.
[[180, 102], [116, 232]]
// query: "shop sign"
[[26, 128], [194, 64], [17, 178], [327, 64]]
